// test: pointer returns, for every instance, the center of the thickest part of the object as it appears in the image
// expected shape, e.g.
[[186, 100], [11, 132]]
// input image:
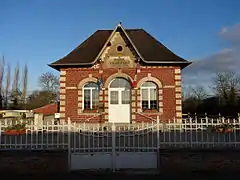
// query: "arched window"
[[91, 96], [149, 96], [120, 83], [120, 91]]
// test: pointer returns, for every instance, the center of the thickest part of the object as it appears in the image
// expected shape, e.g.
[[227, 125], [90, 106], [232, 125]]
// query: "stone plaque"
[[119, 62]]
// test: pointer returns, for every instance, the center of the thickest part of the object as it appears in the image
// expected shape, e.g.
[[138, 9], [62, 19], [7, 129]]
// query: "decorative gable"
[[118, 52]]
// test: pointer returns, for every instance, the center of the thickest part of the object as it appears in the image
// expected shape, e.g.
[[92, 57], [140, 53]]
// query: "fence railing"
[[87, 137]]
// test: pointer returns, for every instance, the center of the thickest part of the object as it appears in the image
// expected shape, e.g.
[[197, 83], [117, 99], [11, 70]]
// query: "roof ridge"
[[127, 29]]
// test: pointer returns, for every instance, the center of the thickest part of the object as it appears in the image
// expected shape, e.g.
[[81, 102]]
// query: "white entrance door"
[[119, 101]]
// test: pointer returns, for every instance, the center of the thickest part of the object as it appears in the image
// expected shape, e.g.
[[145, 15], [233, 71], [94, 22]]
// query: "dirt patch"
[[189, 160], [24, 161]]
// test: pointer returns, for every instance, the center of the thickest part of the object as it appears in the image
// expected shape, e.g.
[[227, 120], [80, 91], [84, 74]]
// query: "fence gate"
[[113, 146]]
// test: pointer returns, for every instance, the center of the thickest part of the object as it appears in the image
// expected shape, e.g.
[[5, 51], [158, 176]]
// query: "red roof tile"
[[47, 109]]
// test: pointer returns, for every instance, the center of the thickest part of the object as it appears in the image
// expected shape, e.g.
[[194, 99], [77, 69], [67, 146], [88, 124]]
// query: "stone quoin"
[[121, 76]]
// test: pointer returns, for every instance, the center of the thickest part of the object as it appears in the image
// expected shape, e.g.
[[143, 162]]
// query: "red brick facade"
[[169, 93]]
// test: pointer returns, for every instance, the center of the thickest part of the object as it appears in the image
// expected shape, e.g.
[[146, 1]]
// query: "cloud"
[[201, 72], [231, 34], [225, 60]]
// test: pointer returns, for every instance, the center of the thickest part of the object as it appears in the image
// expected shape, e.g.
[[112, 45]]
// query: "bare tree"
[[2, 66], [199, 93], [16, 79], [49, 82], [194, 97], [186, 92], [226, 86], [25, 83], [7, 85], [40, 98], [16, 94]]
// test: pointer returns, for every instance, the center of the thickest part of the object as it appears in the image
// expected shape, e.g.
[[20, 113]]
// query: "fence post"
[[158, 133], [158, 145], [113, 147], [69, 142], [1, 121]]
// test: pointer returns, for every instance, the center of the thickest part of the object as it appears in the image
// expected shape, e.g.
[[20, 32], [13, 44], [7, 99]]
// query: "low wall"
[[206, 160], [34, 161]]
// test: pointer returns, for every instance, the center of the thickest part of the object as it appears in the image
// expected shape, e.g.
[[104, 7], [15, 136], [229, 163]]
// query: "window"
[[122, 87], [120, 83], [113, 97], [119, 48], [149, 96], [91, 96]]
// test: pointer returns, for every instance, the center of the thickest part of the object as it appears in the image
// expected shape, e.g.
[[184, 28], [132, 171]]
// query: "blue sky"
[[39, 32]]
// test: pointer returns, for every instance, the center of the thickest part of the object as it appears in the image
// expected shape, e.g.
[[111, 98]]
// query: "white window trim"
[[91, 95], [149, 95]]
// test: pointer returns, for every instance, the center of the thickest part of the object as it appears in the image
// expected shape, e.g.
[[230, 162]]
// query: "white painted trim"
[[71, 87], [91, 94], [119, 90], [168, 86]]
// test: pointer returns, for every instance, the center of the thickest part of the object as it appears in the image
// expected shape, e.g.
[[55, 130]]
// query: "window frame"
[[91, 95], [149, 88]]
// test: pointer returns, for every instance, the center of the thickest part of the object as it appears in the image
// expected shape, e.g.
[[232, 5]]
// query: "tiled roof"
[[148, 47], [47, 109]]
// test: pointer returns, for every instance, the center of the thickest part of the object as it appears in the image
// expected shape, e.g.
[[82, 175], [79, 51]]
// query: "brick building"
[[120, 75]]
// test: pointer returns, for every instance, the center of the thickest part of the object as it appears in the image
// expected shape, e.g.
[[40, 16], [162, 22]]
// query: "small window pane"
[[144, 94], [153, 104], [113, 97], [149, 84], [87, 104], [145, 105], [120, 83], [126, 97], [95, 99], [91, 84], [153, 94]]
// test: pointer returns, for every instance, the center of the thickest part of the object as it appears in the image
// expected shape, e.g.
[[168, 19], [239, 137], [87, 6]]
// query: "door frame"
[[119, 89]]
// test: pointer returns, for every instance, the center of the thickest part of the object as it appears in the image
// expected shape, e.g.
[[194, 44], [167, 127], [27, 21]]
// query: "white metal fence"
[[138, 137], [48, 135]]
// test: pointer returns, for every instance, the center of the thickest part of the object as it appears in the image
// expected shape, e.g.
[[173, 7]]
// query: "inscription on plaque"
[[119, 62]]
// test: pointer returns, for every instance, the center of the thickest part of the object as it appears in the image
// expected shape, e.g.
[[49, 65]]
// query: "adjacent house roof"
[[48, 109], [150, 50]]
